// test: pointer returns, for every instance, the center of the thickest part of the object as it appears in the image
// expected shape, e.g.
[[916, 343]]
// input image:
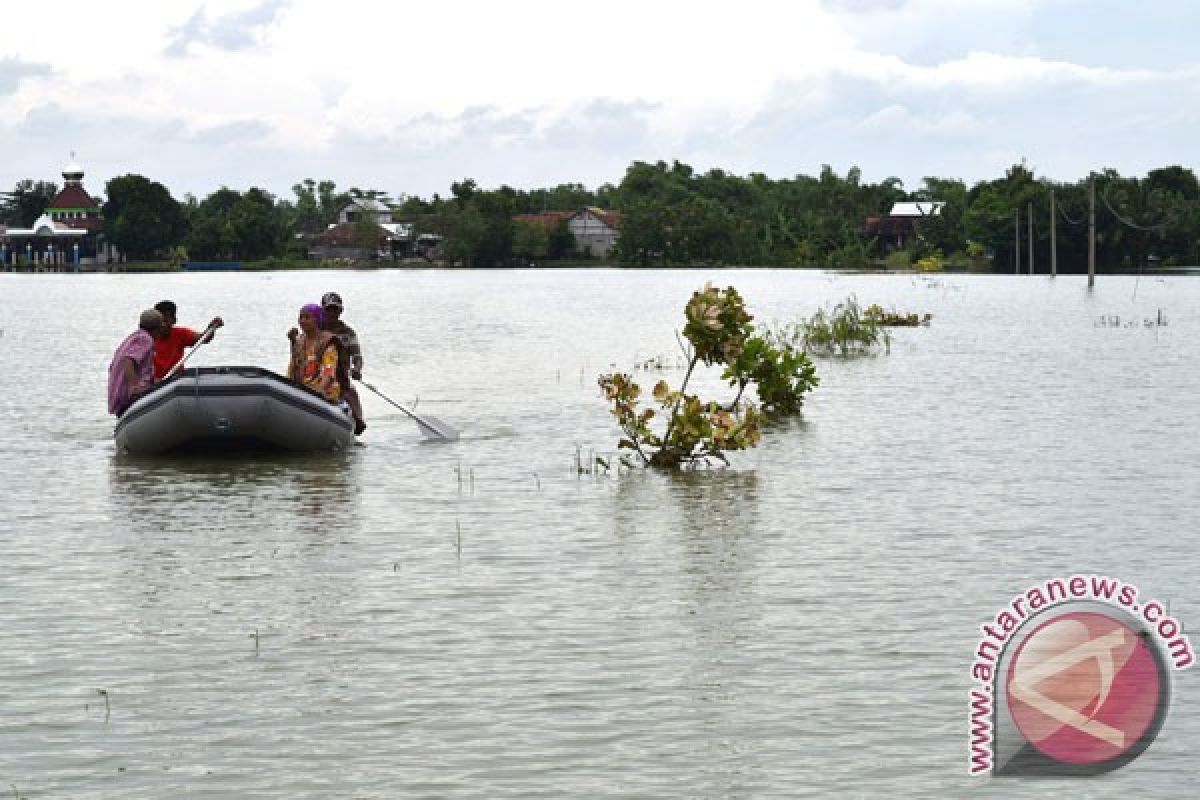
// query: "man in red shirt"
[[168, 350]]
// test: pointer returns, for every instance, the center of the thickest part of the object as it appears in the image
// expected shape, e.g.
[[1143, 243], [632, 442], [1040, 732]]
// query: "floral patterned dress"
[[314, 363]]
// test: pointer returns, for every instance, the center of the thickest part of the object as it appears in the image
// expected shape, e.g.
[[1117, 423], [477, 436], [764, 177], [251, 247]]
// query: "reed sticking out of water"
[[457, 539], [597, 464], [1115, 321], [107, 707], [659, 363], [255, 637], [537, 482]]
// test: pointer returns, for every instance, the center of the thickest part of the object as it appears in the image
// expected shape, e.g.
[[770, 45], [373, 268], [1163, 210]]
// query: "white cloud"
[[898, 119], [540, 92], [235, 30]]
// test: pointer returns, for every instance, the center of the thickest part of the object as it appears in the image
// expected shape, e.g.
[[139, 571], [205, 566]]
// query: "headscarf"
[[316, 312]]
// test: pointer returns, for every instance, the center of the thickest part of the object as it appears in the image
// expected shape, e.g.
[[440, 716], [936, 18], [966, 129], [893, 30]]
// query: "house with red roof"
[[595, 229]]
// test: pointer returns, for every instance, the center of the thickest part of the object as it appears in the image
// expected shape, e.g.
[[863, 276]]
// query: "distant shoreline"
[[164, 268]]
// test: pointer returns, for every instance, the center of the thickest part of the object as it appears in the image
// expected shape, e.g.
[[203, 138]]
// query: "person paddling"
[[131, 372], [331, 304], [168, 350]]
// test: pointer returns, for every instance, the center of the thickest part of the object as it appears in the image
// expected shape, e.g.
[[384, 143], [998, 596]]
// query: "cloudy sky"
[[407, 97]]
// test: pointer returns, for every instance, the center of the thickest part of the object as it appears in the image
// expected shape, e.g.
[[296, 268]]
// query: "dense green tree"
[[25, 203], [259, 226], [530, 241], [141, 218], [233, 225], [945, 231], [307, 218], [643, 234], [560, 242]]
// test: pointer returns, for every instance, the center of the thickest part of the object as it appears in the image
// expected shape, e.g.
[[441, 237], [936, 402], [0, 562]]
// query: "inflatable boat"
[[232, 409]]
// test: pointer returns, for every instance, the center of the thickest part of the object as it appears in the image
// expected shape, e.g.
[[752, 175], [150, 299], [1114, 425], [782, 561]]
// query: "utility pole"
[[1017, 240], [1091, 230], [1053, 239], [1030, 221]]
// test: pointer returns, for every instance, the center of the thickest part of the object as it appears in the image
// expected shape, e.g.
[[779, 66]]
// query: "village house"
[[347, 238], [901, 224], [595, 229], [68, 235], [386, 240], [365, 207]]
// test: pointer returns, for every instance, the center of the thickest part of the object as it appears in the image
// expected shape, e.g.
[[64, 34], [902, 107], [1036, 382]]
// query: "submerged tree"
[[719, 332]]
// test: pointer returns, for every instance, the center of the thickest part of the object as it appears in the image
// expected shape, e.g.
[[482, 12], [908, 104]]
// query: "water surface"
[[479, 620]]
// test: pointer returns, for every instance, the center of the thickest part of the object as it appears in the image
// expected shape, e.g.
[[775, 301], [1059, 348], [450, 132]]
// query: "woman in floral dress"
[[316, 356]]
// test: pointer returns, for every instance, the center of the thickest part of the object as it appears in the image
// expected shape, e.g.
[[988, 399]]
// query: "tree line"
[[674, 215]]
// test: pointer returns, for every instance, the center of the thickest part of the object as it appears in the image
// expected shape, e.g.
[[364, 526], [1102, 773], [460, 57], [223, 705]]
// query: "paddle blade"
[[432, 428]]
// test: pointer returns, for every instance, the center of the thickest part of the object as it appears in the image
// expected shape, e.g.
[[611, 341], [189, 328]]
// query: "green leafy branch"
[[719, 331]]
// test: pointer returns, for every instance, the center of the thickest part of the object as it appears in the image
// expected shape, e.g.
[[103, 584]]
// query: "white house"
[[368, 207], [595, 231]]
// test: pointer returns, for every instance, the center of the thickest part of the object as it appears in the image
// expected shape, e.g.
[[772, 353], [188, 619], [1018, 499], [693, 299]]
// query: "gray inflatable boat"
[[232, 409]]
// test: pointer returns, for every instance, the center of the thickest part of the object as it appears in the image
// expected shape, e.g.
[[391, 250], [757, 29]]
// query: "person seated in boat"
[[168, 351], [316, 360], [331, 304], [131, 372]]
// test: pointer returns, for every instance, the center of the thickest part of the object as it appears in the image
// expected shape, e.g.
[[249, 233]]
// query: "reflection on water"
[[226, 551], [300, 488]]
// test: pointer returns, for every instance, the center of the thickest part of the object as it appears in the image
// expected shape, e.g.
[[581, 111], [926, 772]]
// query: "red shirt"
[[168, 351]]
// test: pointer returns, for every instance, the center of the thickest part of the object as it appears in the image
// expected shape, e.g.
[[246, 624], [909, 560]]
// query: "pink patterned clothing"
[[138, 347]]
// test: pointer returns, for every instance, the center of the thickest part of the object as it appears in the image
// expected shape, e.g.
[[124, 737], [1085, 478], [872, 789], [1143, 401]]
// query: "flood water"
[[479, 620]]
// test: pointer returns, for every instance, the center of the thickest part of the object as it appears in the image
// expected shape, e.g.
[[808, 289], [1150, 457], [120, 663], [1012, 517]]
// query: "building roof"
[[367, 204], [346, 233], [918, 209], [73, 196], [45, 226], [610, 218], [398, 230], [548, 219]]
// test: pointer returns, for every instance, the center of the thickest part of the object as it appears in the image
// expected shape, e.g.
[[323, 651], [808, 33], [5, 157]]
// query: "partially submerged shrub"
[[846, 330], [780, 373], [717, 324], [895, 319], [719, 330]]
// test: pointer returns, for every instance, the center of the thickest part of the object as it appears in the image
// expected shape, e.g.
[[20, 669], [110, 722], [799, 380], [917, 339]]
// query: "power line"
[[1082, 220], [1127, 223]]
